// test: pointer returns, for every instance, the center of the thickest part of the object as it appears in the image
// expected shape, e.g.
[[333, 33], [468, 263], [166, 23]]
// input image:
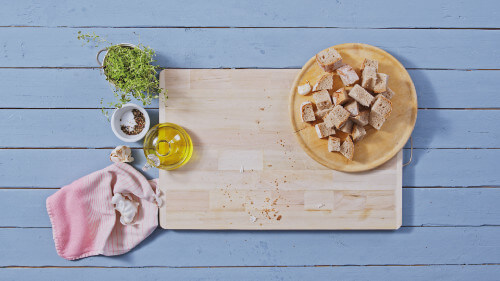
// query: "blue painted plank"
[[84, 88], [421, 207], [61, 128], [412, 245], [49, 168], [57, 167], [452, 167], [89, 128], [346, 273], [252, 47], [440, 13]]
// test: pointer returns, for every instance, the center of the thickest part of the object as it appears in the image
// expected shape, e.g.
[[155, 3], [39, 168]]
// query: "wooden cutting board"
[[248, 170]]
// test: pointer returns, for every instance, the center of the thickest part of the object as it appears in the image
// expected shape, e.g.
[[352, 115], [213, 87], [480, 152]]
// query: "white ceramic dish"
[[116, 123]]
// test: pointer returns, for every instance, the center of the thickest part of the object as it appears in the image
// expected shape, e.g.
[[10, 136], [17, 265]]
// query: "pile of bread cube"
[[350, 108]]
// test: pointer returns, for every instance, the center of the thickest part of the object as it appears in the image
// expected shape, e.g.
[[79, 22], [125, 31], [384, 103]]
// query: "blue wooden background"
[[52, 132]]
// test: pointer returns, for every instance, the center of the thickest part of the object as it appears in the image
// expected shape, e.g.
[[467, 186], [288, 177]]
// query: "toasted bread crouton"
[[333, 144], [337, 117], [307, 112], [382, 106], [320, 114], [368, 78], [340, 97], [362, 118], [347, 148], [381, 83], [367, 63], [353, 108], [304, 89], [323, 130], [361, 95], [376, 120], [347, 75], [329, 59], [358, 132], [388, 94], [322, 99], [324, 83], [347, 127]]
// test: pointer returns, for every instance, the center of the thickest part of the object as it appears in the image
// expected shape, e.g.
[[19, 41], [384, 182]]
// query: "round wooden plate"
[[377, 147]]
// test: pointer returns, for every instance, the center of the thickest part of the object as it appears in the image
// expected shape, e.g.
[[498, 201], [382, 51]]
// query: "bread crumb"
[[279, 217]]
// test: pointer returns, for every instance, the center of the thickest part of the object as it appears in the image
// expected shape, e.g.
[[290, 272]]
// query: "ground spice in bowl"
[[132, 124]]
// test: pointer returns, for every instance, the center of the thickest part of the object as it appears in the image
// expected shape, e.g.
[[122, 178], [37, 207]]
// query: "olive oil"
[[167, 146]]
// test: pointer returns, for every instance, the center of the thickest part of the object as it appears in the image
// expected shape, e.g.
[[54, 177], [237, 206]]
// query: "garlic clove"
[[121, 154]]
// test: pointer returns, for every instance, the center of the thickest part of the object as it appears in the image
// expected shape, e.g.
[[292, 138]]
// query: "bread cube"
[[367, 63], [388, 94], [361, 95], [358, 132], [329, 59], [337, 117], [307, 112], [322, 100], [304, 89], [382, 106], [347, 148], [362, 118], [324, 83], [340, 97], [347, 75], [353, 108], [323, 112], [381, 83], [323, 130], [333, 144], [376, 120], [368, 78], [347, 127]]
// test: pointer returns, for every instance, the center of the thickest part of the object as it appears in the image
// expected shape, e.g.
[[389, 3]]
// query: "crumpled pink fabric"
[[84, 221]]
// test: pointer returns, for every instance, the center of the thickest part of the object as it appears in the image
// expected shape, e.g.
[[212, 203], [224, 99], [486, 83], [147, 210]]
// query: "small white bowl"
[[116, 126]]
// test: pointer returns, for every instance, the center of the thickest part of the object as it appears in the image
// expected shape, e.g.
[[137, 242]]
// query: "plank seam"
[[252, 266], [156, 108], [251, 27], [112, 147], [406, 187], [249, 67]]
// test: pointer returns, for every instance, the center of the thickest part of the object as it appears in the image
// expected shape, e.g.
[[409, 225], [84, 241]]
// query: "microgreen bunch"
[[130, 70]]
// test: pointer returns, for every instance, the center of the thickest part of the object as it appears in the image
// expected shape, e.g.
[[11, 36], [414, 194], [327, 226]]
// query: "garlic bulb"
[[121, 153]]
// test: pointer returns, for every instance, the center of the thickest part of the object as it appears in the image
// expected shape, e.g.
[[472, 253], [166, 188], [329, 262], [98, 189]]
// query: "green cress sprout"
[[130, 70]]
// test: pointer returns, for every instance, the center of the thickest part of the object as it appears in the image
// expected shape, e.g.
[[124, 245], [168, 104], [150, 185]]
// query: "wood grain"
[[377, 147], [263, 47], [260, 13], [408, 245], [244, 168], [184, 47], [347, 273]]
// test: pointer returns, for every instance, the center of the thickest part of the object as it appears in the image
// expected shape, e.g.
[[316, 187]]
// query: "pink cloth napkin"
[[84, 221]]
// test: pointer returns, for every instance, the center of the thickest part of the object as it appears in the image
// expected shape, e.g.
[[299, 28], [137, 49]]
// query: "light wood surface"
[[247, 163], [376, 147]]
